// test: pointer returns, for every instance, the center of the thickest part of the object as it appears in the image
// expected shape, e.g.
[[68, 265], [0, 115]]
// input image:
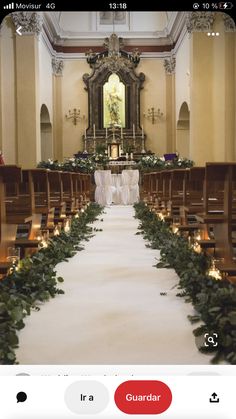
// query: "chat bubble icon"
[[21, 397]]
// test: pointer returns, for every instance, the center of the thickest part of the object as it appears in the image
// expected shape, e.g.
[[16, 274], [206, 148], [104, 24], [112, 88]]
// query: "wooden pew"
[[177, 190], [56, 195], [7, 231], [220, 184], [43, 204], [20, 208], [192, 195], [68, 195]]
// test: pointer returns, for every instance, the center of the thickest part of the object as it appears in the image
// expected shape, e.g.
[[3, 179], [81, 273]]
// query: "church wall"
[[45, 78], [7, 94], [153, 94], [73, 96], [223, 93], [182, 74], [201, 98]]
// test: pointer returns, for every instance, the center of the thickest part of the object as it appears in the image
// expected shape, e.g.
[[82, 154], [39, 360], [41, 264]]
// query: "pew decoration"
[[1, 159], [214, 272], [212, 295], [154, 163], [35, 279], [13, 257]]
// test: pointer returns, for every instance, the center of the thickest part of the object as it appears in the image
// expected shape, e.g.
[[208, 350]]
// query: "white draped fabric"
[[117, 184], [118, 189], [104, 189], [132, 176]]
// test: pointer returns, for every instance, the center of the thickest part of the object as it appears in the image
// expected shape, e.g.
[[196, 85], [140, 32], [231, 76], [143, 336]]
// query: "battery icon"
[[226, 5]]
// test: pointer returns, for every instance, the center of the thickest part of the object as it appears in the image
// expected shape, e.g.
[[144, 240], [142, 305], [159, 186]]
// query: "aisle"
[[112, 311]]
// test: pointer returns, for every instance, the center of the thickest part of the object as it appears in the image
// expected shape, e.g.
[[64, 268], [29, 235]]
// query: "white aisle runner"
[[112, 311]]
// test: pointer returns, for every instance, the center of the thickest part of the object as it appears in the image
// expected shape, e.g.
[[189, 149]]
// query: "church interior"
[[117, 135]]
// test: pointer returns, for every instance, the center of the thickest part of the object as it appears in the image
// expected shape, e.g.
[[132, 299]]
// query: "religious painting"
[[108, 18], [114, 102]]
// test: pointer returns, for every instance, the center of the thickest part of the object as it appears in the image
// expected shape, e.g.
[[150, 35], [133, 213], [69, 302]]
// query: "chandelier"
[[113, 58]]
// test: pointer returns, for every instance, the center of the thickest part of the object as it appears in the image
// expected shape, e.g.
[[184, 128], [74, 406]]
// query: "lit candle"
[[133, 131], [121, 132], [142, 133], [94, 131], [106, 132]]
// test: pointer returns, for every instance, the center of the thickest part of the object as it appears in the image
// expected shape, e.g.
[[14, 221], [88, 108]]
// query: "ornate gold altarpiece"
[[114, 100]]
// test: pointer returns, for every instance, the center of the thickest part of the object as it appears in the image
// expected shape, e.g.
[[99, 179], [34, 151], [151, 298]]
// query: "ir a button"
[[143, 397]]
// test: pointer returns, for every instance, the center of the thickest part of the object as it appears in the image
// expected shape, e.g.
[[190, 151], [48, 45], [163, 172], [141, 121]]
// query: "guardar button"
[[143, 397]]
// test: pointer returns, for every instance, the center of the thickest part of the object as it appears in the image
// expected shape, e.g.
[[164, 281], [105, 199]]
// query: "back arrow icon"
[[18, 30]]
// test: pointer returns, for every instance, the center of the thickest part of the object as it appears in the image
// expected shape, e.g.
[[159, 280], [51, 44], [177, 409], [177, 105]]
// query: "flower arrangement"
[[100, 159], [70, 165], [153, 162]]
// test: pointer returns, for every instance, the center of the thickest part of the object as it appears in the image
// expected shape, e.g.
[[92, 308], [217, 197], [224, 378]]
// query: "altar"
[[114, 88]]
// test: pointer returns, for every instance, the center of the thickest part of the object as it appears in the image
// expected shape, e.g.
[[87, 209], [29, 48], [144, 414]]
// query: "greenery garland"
[[90, 163], [35, 280], [214, 301]]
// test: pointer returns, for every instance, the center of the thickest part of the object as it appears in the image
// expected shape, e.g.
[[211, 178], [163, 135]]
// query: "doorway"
[[182, 132]]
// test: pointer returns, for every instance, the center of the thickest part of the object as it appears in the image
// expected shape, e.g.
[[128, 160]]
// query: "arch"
[[182, 130], [46, 134]]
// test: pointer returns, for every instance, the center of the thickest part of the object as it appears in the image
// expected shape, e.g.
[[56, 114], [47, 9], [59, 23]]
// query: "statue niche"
[[113, 102]]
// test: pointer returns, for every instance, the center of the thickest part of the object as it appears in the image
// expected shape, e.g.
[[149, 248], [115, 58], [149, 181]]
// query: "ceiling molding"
[[150, 45], [95, 37]]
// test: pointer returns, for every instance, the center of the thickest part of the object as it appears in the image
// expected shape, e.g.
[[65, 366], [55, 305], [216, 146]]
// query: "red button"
[[143, 397]]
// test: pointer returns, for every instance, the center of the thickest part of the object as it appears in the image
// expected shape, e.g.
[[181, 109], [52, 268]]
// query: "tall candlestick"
[[133, 131], [106, 132], [85, 146], [94, 131], [85, 134], [94, 146], [142, 133]]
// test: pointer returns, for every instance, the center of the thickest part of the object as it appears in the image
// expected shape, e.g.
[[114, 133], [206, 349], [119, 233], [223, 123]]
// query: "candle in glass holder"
[[94, 131]]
